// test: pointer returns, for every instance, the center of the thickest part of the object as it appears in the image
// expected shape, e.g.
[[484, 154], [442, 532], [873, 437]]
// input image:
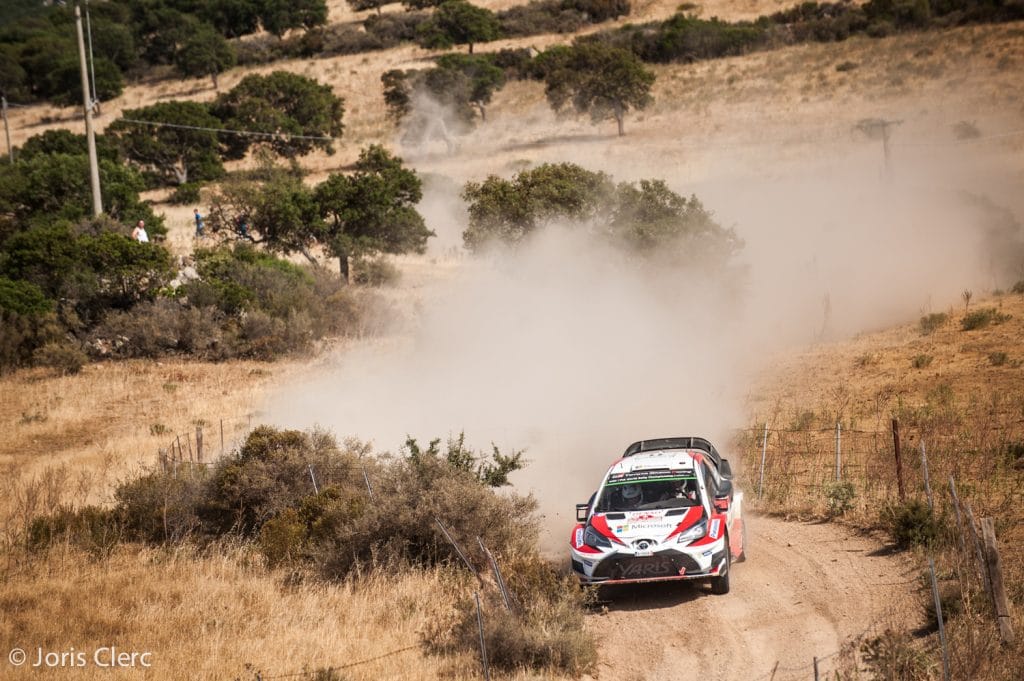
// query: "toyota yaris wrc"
[[666, 510]]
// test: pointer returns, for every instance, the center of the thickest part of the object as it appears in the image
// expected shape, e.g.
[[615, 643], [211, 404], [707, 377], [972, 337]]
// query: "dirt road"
[[806, 589]]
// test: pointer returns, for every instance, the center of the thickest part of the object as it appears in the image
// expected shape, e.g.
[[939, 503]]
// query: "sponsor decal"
[[638, 517], [705, 554], [642, 527], [579, 536], [715, 526], [638, 570]]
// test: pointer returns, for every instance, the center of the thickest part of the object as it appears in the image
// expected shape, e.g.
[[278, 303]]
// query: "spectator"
[[139, 233], [242, 225], [199, 222]]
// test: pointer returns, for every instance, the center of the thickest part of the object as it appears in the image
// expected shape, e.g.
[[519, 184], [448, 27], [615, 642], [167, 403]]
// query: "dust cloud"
[[569, 351]]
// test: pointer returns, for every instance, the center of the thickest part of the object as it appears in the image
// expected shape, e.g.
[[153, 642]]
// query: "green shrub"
[[65, 358], [912, 524], [921, 361], [91, 528], [981, 318], [160, 506], [839, 498], [185, 194], [1018, 287], [931, 322], [375, 272], [997, 359], [894, 657]]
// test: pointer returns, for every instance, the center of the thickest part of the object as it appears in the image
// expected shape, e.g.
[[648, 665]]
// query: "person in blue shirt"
[[199, 222]]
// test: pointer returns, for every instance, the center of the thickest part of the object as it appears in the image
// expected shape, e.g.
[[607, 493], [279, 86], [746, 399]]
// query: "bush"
[[160, 328], [375, 272], [392, 29], [546, 631], [90, 528], [160, 506], [64, 357], [981, 318], [893, 655], [931, 322], [185, 194], [839, 498], [912, 524], [966, 130], [921, 361], [997, 359]]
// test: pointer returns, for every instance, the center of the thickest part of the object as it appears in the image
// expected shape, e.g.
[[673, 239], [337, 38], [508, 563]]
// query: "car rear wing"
[[687, 442]]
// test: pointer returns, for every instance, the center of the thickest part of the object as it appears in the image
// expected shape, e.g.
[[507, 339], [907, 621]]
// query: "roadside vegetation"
[[319, 511], [961, 403]]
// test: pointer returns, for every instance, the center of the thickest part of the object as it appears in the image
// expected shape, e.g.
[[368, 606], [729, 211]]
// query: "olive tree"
[[596, 78]]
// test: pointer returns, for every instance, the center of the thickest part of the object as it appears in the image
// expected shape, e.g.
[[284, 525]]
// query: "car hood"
[[659, 525]]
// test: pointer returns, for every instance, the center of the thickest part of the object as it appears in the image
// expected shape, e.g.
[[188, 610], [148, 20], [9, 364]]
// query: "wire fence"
[[803, 467]]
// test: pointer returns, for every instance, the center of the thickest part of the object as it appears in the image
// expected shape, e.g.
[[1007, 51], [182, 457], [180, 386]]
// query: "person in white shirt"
[[139, 233]]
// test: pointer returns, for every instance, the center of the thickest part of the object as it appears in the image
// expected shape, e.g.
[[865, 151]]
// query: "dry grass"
[[221, 615]]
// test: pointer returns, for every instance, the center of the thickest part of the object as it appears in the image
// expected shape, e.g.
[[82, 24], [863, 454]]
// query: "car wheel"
[[720, 585]]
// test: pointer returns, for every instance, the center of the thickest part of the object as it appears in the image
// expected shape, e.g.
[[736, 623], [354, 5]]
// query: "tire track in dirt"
[[806, 589]]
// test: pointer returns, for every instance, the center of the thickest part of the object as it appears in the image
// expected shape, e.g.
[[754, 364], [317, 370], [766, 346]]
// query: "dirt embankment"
[[807, 590]]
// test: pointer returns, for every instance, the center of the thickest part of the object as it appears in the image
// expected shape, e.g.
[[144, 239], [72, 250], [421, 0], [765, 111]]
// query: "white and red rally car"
[[666, 510]]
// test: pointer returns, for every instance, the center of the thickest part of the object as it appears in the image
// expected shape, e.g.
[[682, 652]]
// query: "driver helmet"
[[631, 492]]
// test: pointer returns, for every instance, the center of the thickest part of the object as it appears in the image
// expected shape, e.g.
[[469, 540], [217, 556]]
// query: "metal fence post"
[[839, 450], [483, 644]]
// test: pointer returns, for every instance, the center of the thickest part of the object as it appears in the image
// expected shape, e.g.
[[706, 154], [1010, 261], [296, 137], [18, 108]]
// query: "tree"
[[281, 213], [44, 188], [204, 53], [171, 155], [279, 16], [282, 105], [458, 22], [62, 141], [508, 211], [63, 85], [13, 79], [361, 5], [645, 218], [596, 78], [463, 84], [373, 209], [232, 18]]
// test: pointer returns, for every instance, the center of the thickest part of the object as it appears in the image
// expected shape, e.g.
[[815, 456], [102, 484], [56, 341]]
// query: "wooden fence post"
[[162, 457], [483, 644], [222, 437], [927, 482], [839, 449], [994, 567], [979, 552], [899, 461], [959, 515], [816, 677], [938, 616], [199, 444], [764, 450]]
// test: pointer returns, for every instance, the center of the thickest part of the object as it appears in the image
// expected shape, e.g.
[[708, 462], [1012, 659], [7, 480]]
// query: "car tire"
[[720, 585]]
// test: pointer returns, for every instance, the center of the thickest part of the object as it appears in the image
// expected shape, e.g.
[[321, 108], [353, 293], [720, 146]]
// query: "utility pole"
[[7, 129], [90, 135]]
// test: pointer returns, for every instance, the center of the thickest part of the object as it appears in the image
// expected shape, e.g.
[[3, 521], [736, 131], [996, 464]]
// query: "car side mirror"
[[725, 469], [581, 512], [724, 496]]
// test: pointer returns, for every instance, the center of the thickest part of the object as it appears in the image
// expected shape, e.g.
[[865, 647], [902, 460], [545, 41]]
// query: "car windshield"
[[631, 494]]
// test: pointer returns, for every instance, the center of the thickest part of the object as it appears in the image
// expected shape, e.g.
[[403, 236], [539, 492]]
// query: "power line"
[[249, 133]]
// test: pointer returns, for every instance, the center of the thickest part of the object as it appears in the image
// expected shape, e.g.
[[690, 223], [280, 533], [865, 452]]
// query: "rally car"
[[666, 510]]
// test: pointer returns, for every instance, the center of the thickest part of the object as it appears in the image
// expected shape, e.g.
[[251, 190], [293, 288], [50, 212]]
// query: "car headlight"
[[595, 540], [694, 533]]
